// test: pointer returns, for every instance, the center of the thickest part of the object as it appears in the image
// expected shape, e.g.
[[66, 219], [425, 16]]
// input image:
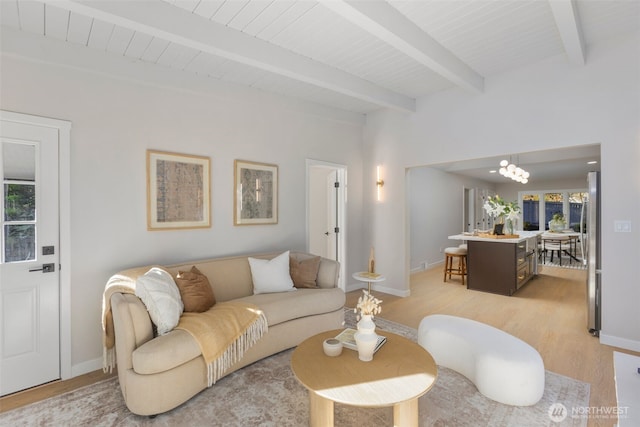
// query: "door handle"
[[46, 268]]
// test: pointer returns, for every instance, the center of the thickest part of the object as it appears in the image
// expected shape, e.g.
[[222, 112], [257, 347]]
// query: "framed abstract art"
[[256, 193], [178, 191]]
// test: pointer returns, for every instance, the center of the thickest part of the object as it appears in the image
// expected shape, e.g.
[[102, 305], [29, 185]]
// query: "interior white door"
[[333, 228], [29, 276], [326, 212]]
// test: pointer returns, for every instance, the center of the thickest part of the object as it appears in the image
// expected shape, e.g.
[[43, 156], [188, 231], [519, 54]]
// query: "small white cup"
[[332, 347]]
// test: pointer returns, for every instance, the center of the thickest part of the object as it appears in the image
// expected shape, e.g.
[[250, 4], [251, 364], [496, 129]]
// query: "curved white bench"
[[503, 367]]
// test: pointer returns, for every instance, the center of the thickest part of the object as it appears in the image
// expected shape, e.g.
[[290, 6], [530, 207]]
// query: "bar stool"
[[461, 269]]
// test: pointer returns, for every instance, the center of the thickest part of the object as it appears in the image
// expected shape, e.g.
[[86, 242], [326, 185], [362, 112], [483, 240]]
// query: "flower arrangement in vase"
[[498, 208], [366, 338], [557, 223]]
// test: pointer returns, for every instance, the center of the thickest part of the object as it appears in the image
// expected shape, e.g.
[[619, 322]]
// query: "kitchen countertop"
[[522, 235]]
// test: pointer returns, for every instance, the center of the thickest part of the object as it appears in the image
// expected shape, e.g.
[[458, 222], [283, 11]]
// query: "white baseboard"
[[86, 367], [427, 266], [614, 341]]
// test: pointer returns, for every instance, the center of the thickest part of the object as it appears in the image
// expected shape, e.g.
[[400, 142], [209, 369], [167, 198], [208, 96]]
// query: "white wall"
[[547, 105], [435, 200], [115, 121]]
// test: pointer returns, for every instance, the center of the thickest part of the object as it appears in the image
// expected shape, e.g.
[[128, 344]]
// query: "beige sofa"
[[157, 374]]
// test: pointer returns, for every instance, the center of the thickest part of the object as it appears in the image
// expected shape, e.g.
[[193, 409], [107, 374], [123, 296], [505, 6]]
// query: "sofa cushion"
[[195, 290], [271, 275], [178, 346], [159, 293], [304, 273], [165, 352], [281, 308]]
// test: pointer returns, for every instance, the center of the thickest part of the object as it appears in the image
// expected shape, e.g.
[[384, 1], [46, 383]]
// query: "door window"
[[19, 206]]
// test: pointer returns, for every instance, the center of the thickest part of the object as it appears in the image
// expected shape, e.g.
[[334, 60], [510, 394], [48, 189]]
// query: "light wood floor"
[[549, 313]]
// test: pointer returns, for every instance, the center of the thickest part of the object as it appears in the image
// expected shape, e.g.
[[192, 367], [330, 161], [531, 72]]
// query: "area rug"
[[267, 394]]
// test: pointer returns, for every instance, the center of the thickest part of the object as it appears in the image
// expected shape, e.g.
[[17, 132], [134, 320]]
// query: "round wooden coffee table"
[[400, 372]]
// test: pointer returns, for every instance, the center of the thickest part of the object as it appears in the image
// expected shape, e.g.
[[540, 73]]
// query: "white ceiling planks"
[[155, 49], [138, 45], [248, 13], [56, 22], [266, 17], [206, 9], [490, 36], [100, 34], [177, 56], [181, 27], [79, 29], [9, 15], [383, 21], [347, 54], [119, 41]]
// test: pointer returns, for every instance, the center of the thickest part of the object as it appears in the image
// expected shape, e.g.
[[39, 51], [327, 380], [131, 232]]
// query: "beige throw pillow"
[[195, 290], [304, 273]]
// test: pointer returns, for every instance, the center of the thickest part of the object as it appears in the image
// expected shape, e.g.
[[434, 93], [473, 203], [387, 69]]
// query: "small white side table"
[[365, 276]]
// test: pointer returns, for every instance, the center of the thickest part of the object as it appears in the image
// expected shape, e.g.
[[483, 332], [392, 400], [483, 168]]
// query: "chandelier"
[[516, 173]]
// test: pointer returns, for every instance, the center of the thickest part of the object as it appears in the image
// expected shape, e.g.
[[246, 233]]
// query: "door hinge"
[[337, 230], [336, 184]]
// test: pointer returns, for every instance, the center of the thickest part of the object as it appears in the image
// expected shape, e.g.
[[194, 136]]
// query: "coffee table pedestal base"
[[405, 414], [320, 411]]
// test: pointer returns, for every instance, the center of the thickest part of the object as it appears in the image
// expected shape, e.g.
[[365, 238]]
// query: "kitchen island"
[[500, 264]]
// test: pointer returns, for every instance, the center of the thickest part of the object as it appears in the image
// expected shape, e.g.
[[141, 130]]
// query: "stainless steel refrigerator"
[[590, 228]]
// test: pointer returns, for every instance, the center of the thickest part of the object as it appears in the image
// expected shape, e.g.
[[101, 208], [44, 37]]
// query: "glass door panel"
[[553, 204], [19, 202], [531, 212], [575, 209]]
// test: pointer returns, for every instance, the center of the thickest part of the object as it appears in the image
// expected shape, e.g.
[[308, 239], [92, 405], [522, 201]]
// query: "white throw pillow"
[[271, 275], [159, 293]]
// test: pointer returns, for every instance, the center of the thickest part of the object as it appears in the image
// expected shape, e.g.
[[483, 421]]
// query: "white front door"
[[29, 276]]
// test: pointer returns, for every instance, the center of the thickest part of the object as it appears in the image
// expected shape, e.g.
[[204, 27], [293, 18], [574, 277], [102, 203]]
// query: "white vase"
[[366, 338], [555, 225]]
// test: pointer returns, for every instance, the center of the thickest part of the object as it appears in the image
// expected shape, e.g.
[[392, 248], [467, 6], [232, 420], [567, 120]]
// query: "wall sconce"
[[379, 183]]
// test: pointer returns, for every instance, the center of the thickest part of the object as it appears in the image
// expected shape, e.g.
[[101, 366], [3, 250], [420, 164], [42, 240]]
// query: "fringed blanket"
[[124, 283], [224, 333]]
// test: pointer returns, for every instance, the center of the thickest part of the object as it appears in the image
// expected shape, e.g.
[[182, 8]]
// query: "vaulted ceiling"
[[357, 56]]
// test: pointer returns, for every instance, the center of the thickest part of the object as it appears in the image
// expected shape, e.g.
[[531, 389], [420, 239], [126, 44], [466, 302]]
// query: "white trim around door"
[[64, 155]]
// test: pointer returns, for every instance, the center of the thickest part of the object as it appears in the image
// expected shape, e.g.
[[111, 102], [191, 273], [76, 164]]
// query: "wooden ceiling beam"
[[167, 22], [566, 17], [384, 21]]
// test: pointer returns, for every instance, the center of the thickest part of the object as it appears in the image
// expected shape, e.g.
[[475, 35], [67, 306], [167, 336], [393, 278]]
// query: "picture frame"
[[178, 191], [256, 193]]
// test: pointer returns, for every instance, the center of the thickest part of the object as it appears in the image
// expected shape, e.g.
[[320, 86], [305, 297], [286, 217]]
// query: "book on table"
[[348, 340]]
